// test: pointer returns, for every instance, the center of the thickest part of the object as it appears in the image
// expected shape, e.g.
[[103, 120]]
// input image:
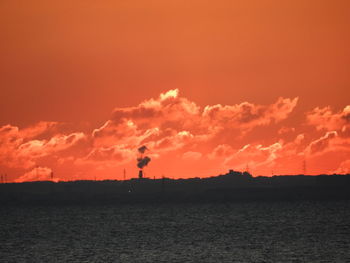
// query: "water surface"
[[239, 232]]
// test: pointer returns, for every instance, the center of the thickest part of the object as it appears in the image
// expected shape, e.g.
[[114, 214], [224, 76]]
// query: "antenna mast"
[[304, 167]]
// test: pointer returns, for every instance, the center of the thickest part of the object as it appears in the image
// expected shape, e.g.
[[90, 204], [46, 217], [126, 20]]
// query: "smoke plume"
[[142, 162], [142, 149]]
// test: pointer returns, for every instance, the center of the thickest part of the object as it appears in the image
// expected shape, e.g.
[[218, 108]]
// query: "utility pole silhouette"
[[304, 167], [163, 182]]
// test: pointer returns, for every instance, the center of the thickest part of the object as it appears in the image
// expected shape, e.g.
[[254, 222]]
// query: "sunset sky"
[[207, 86]]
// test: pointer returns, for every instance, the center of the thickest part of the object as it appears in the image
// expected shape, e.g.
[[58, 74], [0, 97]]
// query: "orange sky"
[[81, 82]]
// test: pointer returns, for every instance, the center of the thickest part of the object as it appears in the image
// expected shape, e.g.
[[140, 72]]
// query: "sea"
[[213, 232]]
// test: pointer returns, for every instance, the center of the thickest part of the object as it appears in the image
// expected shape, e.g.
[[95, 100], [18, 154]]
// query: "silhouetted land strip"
[[230, 187]]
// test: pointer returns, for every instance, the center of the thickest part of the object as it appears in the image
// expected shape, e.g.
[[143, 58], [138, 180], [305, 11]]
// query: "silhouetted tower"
[[124, 174], [304, 167], [140, 174], [163, 182], [51, 175], [247, 168]]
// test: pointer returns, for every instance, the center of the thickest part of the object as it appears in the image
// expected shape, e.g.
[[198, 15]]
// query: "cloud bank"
[[184, 139]]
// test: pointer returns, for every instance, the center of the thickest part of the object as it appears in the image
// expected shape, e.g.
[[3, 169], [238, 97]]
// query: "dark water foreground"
[[298, 231]]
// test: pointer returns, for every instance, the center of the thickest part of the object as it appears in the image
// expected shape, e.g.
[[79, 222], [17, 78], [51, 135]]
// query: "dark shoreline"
[[231, 187]]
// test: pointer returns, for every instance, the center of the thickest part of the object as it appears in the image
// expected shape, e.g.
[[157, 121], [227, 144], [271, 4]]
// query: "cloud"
[[167, 111], [21, 148], [37, 174], [114, 133], [116, 154], [191, 156], [285, 130], [325, 119], [221, 151], [247, 115], [178, 132], [171, 122], [255, 156], [343, 168], [170, 111], [322, 143], [39, 148], [42, 128], [280, 156]]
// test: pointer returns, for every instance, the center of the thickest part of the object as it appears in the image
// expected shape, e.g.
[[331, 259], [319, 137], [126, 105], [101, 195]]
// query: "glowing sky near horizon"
[[205, 86]]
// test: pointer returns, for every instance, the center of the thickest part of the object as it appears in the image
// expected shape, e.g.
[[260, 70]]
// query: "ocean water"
[[238, 232]]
